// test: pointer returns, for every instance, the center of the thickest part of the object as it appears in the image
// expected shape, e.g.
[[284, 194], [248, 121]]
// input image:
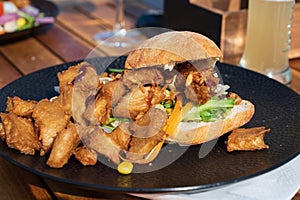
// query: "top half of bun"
[[173, 47]]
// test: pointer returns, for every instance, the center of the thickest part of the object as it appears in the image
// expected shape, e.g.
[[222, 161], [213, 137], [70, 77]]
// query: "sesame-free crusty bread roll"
[[173, 46]]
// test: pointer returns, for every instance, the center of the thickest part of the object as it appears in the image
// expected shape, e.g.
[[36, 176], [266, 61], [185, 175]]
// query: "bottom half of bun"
[[192, 133]]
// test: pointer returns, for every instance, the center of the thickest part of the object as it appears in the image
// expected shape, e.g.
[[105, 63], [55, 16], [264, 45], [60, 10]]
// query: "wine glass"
[[119, 36]]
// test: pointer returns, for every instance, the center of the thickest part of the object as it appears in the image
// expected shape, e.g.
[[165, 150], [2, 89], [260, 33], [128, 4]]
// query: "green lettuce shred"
[[211, 111]]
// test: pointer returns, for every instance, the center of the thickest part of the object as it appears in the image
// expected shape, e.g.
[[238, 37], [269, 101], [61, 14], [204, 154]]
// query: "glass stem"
[[120, 20]]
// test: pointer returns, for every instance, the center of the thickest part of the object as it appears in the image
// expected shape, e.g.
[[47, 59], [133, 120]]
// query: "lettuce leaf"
[[211, 111]]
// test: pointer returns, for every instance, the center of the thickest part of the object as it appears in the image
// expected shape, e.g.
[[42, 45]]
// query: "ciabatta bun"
[[192, 133], [173, 46]]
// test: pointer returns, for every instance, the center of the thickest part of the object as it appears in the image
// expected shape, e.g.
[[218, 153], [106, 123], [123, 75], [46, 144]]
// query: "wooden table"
[[71, 38]]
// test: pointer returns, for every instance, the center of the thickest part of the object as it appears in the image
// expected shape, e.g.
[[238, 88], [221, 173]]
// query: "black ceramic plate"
[[47, 7], [277, 107]]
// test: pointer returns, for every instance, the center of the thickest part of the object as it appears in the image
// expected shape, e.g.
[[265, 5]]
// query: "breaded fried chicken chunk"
[[76, 84], [63, 146], [85, 156], [50, 119], [19, 133], [247, 139], [19, 106]]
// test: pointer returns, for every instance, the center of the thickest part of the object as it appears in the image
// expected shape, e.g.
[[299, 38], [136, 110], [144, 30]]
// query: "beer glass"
[[268, 38]]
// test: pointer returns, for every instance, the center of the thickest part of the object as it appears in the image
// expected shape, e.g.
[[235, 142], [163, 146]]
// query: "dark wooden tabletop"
[[71, 38]]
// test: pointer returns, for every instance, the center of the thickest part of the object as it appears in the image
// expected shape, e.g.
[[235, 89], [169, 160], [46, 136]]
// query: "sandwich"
[[169, 92], [208, 110]]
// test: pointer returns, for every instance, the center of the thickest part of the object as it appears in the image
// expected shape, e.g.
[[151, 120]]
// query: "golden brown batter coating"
[[247, 139], [19, 133], [50, 119], [19, 106], [85, 156], [65, 143]]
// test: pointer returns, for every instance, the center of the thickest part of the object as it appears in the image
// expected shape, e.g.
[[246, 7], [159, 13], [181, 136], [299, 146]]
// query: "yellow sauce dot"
[[125, 167]]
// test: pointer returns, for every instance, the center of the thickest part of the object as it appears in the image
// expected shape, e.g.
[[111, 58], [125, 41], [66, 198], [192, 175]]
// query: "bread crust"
[[192, 133], [173, 46]]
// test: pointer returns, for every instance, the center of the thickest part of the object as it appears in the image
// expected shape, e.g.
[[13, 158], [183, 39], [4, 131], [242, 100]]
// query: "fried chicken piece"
[[66, 83], [132, 104], [85, 156], [140, 148], [143, 76], [98, 110], [247, 139], [65, 143], [196, 90], [121, 136], [83, 76], [96, 139], [19, 133], [50, 119], [84, 90], [138, 101], [201, 82], [20, 107], [147, 134], [108, 95], [150, 124], [115, 89]]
